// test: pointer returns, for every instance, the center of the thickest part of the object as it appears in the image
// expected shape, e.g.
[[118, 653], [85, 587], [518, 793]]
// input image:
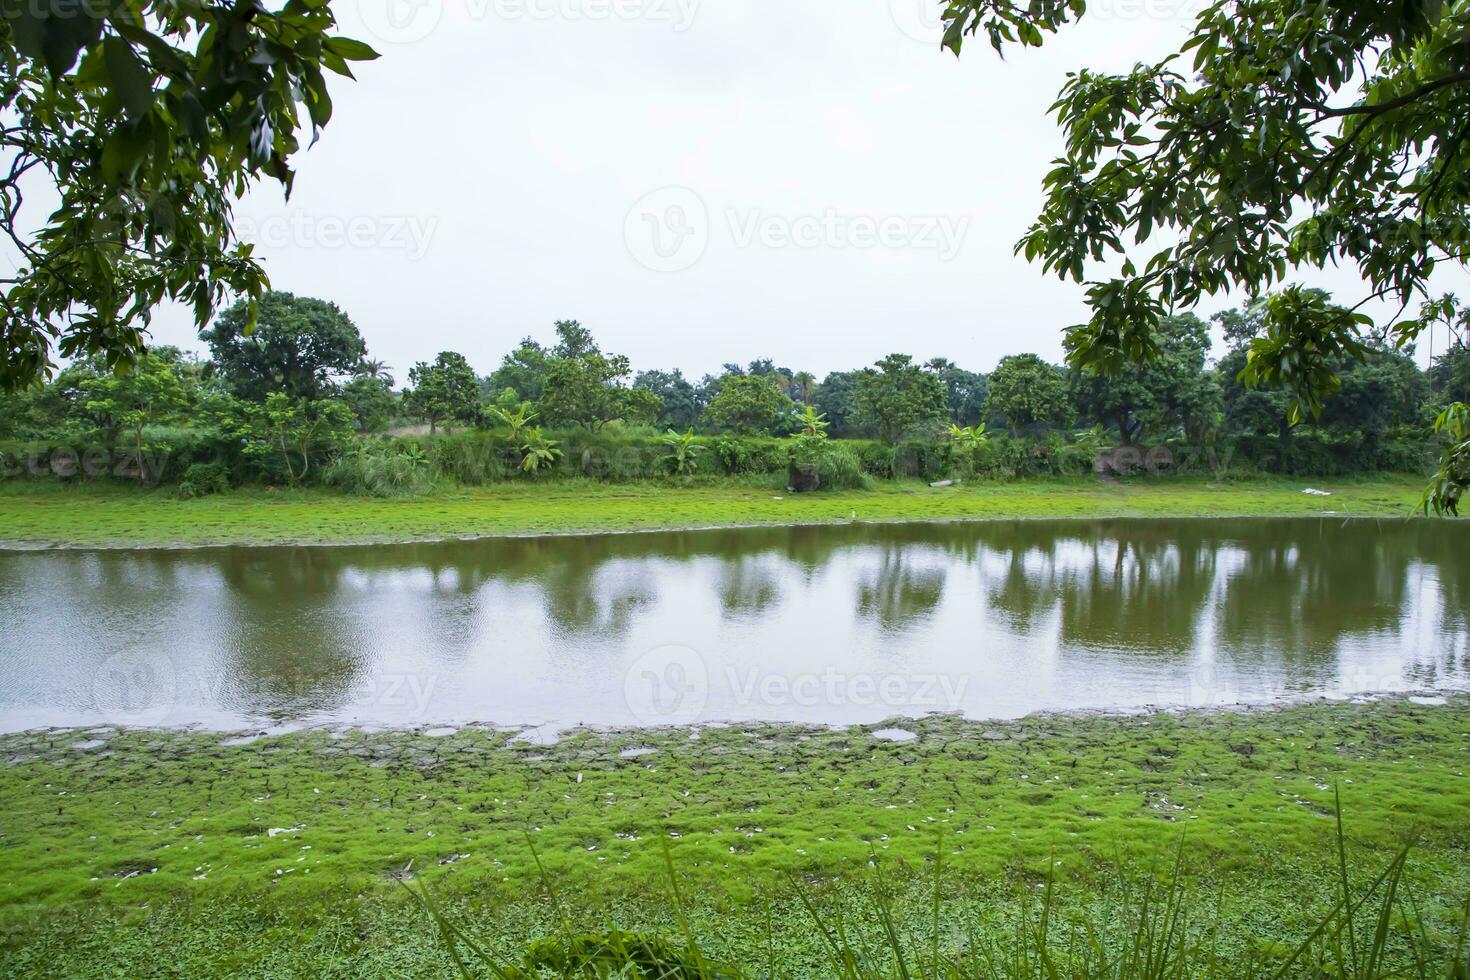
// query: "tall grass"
[[382, 470], [1153, 929]]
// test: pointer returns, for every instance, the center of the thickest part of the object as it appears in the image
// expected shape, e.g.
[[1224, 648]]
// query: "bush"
[[838, 467], [876, 458], [203, 479], [383, 470]]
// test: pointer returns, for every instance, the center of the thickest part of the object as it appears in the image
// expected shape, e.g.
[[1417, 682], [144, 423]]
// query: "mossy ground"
[[49, 513], [180, 853]]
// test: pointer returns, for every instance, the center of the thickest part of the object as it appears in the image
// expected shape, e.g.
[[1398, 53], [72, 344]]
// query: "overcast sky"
[[698, 181]]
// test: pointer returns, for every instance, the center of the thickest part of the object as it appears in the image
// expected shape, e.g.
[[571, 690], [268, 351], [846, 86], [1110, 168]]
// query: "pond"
[[835, 624]]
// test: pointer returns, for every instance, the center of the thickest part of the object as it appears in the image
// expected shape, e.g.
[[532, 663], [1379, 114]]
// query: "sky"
[[697, 181]]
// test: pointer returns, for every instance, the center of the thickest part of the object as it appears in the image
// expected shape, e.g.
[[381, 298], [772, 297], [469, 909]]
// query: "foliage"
[[1026, 391], [146, 390], [295, 345], [512, 413], [284, 431], [683, 453], [898, 398], [1449, 376], [970, 437], [836, 398], [837, 465], [583, 386], [444, 392], [1448, 484], [376, 370], [748, 403], [146, 119], [811, 423], [382, 470], [679, 401], [965, 390], [1284, 135], [1163, 395], [371, 401], [523, 371], [203, 479], [538, 452]]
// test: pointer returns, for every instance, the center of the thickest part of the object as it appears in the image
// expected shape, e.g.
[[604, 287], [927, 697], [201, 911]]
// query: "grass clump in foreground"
[[1370, 932], [99, 514], [180, 853]]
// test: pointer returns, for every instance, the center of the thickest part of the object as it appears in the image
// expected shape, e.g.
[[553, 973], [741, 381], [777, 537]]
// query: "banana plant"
[[683, 453], [517, 420], [970, 437], [538, 452], [813, 423]]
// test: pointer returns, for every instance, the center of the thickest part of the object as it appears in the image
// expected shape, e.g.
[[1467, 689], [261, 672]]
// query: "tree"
[[835, 398], [573, 340], [804, 386], [748, 404], [141, 122], [679, 403], [1449, 377], [1026, 391], [298, 346], [1285, 136], [964, 390], [378, 370], [1384, 390], [446, 391], [897, 397], [523, 370], [591, 390], [1164, 395], [150, 390], [371, 401], [290, 431]]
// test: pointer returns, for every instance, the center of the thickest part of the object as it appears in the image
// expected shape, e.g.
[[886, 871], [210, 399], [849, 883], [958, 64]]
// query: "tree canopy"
[[147, 119], [444, 392], [897, 397], [1026, 391], [297, 346], [749, 403], [1283, 137]]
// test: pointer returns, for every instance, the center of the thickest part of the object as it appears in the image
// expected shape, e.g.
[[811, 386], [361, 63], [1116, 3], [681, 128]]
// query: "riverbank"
[[195, 854], [34, 514]]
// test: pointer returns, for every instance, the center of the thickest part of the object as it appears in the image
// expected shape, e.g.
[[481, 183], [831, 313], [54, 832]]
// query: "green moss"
[[111, 515], [297, 839]]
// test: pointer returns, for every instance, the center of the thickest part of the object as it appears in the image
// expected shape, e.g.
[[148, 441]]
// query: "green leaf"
[[349, 49], [131, 80]]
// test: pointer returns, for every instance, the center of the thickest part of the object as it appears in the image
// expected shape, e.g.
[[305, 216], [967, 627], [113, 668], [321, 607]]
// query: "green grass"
[[35, 513], [155, 852]]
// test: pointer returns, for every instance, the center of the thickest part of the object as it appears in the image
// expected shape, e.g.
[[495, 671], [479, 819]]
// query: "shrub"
[[382, 470], [202, 479]]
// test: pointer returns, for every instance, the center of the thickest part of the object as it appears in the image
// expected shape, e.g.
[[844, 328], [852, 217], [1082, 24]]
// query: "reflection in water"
[[840, 624]]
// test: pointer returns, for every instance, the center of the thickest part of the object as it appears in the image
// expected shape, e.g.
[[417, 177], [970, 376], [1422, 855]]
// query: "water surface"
[[818, 624]]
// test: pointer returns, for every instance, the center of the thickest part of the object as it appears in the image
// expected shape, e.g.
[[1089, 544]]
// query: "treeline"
[[298, 399]]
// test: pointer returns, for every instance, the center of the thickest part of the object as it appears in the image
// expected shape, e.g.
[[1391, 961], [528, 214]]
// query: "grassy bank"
[[35, 513], [134, 852]]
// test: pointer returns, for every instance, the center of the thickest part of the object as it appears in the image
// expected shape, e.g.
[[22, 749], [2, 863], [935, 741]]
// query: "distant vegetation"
[[300, 401]]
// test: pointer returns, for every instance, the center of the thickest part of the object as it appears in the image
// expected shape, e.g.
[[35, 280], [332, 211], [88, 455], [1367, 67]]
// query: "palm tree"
[[375, 369], [806, 384]]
